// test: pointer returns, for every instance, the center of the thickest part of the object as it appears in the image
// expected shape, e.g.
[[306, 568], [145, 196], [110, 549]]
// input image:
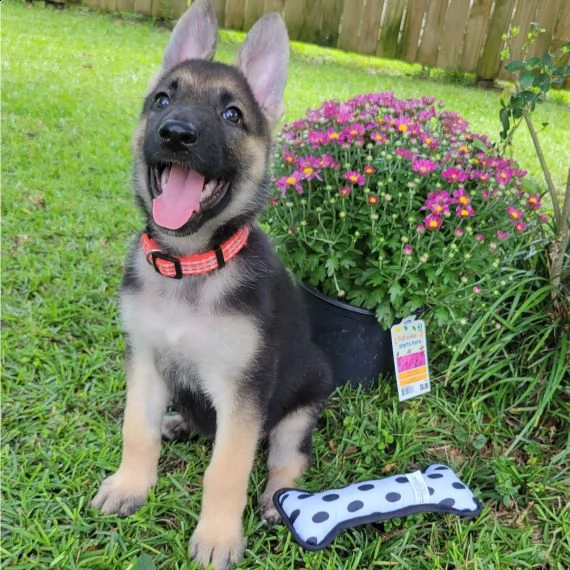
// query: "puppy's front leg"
[[125, 491], [218, 538]]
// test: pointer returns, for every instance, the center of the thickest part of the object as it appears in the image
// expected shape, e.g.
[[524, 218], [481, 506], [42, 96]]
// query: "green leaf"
[[144, 562], [526, 79], [479, 145], [479, 442], [546, 59], [396, 292], [515, 65]]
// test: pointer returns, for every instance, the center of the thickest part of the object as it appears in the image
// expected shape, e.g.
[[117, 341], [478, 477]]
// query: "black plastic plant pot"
[[358, 348]]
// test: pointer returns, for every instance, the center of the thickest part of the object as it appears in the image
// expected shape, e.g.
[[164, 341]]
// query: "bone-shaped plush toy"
[[315, 519]]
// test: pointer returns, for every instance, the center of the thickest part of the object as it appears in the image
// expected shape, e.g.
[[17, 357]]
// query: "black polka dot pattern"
[[431, 491], [354, 506], [304, 496], [283, 497], [365, 487], [321, 516], [312, 540], [435, 476], [458, 485], [441, 468], [293, 516], [330, 497], [447, 502], [401, 479], [393, 497]]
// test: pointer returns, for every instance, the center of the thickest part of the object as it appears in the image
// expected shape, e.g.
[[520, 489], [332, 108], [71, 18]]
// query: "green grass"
[[72, 84]]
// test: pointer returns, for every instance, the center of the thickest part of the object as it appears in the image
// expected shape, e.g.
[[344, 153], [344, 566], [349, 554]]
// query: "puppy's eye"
[[232, 114], [161, 101]]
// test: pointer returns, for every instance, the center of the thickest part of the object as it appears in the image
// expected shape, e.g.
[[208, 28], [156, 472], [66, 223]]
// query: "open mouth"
[[179, 193]]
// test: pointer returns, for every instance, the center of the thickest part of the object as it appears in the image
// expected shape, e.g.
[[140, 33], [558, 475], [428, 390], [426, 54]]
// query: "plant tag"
[[409, 347]]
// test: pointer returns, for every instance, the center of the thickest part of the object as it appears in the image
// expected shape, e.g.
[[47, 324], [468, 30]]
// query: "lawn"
[[72, 84]]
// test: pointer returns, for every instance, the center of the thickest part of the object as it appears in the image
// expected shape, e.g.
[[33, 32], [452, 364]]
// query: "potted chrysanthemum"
[[386, 207]]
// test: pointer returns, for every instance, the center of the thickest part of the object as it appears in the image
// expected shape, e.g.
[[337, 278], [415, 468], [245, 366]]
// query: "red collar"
[[198, 263]]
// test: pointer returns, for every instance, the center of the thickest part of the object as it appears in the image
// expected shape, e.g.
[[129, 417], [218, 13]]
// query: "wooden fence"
[[462, 35]]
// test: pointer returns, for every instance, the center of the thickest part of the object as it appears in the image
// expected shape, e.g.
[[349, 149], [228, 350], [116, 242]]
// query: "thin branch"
[[545, 170]]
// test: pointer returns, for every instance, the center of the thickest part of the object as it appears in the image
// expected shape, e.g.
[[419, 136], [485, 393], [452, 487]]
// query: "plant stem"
[[560, 243], [545, 170]]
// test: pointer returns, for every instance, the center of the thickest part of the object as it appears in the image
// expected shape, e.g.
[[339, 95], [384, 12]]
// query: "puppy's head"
[[202, 146]]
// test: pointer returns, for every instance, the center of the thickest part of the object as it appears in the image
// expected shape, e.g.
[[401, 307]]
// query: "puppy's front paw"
[[122, 494], [218, 544]]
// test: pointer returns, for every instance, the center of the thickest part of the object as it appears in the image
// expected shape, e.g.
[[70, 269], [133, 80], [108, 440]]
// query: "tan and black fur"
[[231, 349]]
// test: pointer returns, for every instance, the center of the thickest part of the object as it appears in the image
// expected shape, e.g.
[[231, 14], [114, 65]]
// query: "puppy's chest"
[[214, 342]]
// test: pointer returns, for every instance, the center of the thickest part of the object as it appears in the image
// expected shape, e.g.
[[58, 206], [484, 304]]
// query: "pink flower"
[[288, 158], [514, 213], [502, 235], [291, 180], [433, 222], [421, 229], [332, 134], [465, 211], [423, 166], [345, 191], [408, 249], [369, 170], [354, 177], [480, 237], [327, 161], [404, 153], [460, 197], [437, 202], [308, 167], [454, 175], [316, 138], [458, 232], [378, 137], [504, 176], [520, 227], [543, 218], [533, 201], [476, 289]]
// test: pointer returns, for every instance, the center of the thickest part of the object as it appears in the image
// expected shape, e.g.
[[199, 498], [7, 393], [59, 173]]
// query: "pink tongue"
[[180, 198]]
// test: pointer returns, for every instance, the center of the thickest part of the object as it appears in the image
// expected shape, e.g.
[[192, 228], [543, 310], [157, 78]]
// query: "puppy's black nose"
[[177, 135]]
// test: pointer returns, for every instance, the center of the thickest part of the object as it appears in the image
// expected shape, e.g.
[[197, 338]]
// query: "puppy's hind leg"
[[174, 428], [290, 443]]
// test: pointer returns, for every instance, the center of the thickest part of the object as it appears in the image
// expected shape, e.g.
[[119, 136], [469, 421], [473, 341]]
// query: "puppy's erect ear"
[[263, 59], [194, 36]]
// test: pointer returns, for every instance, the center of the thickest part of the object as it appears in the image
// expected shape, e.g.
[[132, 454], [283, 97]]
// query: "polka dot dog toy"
[[315, 519]]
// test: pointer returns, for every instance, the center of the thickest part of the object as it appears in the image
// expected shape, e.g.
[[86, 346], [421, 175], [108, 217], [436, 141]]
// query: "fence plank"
[[330, 22], [220, 7], [352, 15], [524, 15], [234, 14], [312, 20], [388, 45], [274, 6], [429, 44], [253, 11], [369, 28], [293, 13], [126, 6], [454, 30], [474, 34], [412, 29], [562, 28], [490, 60], [143, 7], [547, 19]]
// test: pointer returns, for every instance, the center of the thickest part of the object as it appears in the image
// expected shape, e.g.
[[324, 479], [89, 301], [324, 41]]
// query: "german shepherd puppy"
[[227, 341]]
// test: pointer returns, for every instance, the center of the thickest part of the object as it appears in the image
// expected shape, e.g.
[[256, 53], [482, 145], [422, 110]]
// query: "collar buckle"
[[155, 255]]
